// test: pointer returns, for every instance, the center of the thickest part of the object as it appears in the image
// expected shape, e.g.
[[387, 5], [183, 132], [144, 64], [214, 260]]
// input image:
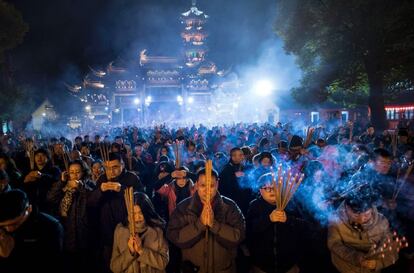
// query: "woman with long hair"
[[70, 195], [147, 250], [97, 170]]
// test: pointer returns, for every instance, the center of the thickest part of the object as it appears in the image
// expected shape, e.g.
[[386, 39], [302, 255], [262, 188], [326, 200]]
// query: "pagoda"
[[152, 88], [198, 71]]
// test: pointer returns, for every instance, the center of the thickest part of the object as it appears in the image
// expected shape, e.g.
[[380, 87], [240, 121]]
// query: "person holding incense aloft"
[[146, 250], [359, 237], [207, 227], [276, 240], [108, 203]]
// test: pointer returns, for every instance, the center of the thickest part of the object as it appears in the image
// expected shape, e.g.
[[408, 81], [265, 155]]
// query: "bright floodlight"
[[148, 100], [263, 88], [136, 101], [180, 99], [190, 100], [88, 108]]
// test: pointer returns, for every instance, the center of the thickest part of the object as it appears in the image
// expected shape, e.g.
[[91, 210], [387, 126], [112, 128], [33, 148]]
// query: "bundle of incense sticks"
[[388, 246], [129, 156], [30, 154], [309, 134], [105, 151], [209, 168], [52, 153], [177, 152], [66, 159], [394, 142], [285, 186], [351, 131], [129, 202], [402, 182]]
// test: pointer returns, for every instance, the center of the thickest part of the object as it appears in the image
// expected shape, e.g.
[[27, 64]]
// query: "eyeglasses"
[[268, 189]]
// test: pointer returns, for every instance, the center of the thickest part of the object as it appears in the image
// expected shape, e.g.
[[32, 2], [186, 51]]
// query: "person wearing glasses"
[[276, 240], [107, 202], [30, 241]]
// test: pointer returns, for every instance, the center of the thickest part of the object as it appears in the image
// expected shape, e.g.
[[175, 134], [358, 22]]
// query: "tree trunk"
[[376, 95]]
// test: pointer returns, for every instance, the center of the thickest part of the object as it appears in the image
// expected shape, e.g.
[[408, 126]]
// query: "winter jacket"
[[215, 254], [349, 246], [153, 259], [37, 190], [235, 188], [37, 248], [111, 205], [274, 247], [168, 190], [75, 221], [109, 208]]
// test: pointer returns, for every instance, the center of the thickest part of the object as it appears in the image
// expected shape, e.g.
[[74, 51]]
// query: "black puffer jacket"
[[76, 222], [274, 247], [110, 205]]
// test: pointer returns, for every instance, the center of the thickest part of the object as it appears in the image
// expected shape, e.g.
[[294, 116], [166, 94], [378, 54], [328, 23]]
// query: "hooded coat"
[[349, 246]]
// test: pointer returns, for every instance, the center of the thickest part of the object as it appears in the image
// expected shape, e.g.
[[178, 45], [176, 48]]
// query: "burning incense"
[[129, 202], [177, 153], [407, 173], [30, 153], [105, 151], [66, 159], [388, 246], [309, 134], [285, 187]]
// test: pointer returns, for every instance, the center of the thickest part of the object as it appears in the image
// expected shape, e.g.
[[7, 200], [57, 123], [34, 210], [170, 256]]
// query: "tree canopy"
[[12, 27], [15, 100], [351, 51]]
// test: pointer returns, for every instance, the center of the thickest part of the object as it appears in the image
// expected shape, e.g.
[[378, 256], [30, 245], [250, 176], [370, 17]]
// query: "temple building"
[[153, 89]]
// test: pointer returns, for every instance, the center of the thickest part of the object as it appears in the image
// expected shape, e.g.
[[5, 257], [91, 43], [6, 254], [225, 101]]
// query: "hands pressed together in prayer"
[[135, 245], [207, 215]]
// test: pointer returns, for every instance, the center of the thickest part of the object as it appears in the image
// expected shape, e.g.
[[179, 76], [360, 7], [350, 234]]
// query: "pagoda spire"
[[194, 2]]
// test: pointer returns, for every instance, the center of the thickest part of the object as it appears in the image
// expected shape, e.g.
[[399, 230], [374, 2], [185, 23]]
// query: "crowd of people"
[[63, 208]]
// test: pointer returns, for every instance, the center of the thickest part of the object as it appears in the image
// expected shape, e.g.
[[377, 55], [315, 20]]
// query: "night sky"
[[67, 36]]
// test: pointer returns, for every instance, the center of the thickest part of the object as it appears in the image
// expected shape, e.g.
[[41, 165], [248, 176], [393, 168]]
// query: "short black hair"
[[115, 156], [380, 152], [12, 204], [203, 172], [361, 200], [234, 150], [42, 151]]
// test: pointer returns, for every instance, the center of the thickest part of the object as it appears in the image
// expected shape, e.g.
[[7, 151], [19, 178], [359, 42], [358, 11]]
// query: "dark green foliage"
[[351, 51]]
